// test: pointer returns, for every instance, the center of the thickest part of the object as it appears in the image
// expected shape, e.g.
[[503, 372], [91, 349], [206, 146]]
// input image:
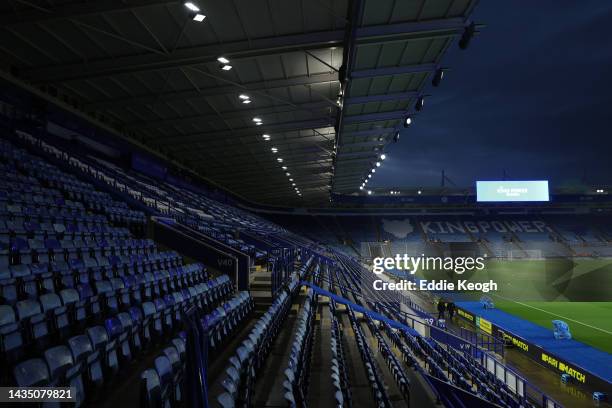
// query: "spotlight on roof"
[[361, 187], [369, 176], [284, 167], [418, 106], [244, 96], [279, 159], [287, 174], [468, 34], [407, 121], [192, 6], [419, 192], [383, 156], [198, 18], [293, 184], [396, 136], [369, 192], [373, 170], [226, 67], [223, 60], [266, 137], [290, 179], [377, 164], [274, 149], [437, 77]]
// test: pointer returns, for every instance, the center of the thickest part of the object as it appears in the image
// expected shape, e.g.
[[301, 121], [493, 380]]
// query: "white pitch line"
[[554, 314]]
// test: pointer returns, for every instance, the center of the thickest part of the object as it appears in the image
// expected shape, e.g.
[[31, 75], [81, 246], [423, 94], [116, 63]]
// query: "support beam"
[[244, 113], [380, 98], [79, 9], [242, 132], [406, 69], [153, 99], [369, 132], [188, 56], [408, 30], [375, 117]]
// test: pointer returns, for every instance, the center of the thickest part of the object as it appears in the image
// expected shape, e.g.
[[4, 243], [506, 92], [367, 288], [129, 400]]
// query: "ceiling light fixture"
[[197, 17], [223, 60], [192, 6]]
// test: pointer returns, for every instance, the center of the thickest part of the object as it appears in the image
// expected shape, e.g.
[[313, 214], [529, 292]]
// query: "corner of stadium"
[[294, 203]]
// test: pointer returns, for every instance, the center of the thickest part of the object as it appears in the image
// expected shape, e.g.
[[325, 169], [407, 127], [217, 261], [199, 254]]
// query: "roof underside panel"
[[150, 70], [393, 53]]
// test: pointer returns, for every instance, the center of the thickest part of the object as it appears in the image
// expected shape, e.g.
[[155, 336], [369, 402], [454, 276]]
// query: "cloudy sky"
[[531, 96]]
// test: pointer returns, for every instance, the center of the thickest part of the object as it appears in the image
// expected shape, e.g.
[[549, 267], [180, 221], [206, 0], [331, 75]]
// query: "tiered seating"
[[163, 385], [339, 374], [374, 376], [296, 373], [250, 356], [81, 298], [399, 375]]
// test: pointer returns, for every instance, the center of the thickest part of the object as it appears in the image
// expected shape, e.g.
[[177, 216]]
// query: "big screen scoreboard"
[[512, 191]]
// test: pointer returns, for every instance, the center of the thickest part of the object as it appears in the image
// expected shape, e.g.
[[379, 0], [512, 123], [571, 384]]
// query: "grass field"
[[590, 322], [578, 291]]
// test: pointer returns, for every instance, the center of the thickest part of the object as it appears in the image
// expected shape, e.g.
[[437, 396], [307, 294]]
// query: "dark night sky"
[[532, 95]]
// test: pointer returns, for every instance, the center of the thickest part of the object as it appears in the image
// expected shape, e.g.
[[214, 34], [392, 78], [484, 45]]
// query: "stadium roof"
[[151, 70]]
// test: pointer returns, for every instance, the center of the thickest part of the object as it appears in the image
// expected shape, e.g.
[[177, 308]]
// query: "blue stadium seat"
[[32, 373], [64, 372], [164, 371], [84, 353], [150, 390]]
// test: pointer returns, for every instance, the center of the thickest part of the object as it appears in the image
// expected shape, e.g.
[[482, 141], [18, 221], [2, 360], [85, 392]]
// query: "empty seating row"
[[162, 385], [339, 375], [298, 366], [244, 366]]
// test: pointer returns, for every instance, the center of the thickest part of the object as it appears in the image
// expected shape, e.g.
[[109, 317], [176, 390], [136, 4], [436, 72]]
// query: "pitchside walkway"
[[597, 362]]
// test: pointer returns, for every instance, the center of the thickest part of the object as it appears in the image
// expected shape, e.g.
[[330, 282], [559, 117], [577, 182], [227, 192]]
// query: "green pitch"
[[575, 290], [590, 322]]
